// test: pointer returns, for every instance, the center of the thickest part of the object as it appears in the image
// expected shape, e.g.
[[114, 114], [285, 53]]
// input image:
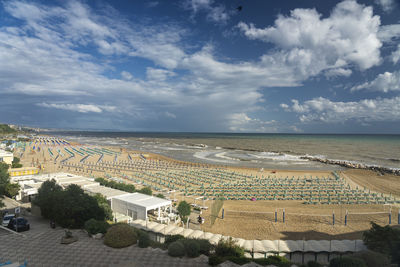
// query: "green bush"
[[144, 239], [373, 259], [192, 248], [314, 264], [93, 226], [227, 248], [347, 262], [205, 246], [176, 249], [146, 190], [274, 260], [238, 260], [120, 236], [214, 260], [172, 238]]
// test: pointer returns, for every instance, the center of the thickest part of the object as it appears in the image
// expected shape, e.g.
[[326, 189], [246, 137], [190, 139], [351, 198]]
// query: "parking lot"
[[41, 246]]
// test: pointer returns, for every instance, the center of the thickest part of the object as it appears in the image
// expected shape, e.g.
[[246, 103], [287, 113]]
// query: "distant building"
[[6, 157]]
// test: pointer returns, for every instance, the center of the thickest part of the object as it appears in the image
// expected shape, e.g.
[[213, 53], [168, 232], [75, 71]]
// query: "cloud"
[[75, 52], [382, 83], [386, 5], [215, 13], [158, 74], [338, 72], [153, 4], [367, 110], [347, 37], [126, 75], [396, 55], [82, 108], [241, 122], [389, 33], [170, 115]]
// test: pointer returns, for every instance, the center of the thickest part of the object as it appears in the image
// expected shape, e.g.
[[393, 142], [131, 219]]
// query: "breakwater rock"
[[354, 165]]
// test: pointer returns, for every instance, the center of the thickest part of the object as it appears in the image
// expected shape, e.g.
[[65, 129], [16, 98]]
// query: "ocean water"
[[281, 151]]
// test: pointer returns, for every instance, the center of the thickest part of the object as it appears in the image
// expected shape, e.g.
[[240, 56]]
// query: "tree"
[[15, 163], [46, 198], [184, 210], [103, 203], [383, 239], [12, 189], [146, 190], [4, 178], [74, 207]]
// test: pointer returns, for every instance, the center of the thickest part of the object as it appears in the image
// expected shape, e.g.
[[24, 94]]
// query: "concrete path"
[[41, 247]]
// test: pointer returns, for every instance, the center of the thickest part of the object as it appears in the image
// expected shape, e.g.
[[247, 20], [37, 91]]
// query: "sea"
[[270, 151]]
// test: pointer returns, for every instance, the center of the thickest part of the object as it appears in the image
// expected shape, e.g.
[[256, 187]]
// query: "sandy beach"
[[243, 218]]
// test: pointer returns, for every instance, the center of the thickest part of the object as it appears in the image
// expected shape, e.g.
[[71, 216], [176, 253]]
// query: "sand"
[[387, 183], [251, 222]]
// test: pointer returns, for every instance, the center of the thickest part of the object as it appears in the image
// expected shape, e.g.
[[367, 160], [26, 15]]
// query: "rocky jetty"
[[354, 165]]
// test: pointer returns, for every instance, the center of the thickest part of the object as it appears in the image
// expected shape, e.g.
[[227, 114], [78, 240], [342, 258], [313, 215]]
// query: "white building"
[[137, 206], [31, 183], [6, 157]]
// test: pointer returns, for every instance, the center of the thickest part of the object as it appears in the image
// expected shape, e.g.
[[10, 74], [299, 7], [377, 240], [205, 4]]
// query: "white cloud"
[[386, 5], [241, 122], [153, 4], [367, 110], [383, 83], [389, 33], [82, 108], [348, 36], [158, 74], [396, 55], [338, 72], [170, 115], [215, 12], [126, 75]]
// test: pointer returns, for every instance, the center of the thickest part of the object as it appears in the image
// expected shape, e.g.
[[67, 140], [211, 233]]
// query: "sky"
[[312, 66]]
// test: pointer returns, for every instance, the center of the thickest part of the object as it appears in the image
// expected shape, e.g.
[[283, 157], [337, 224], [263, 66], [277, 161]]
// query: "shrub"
[[214, 260], [205, 246], [226, 248], [238, 260], [274, 260], [373, 259], [144, 239], [146, 190], [347, 262], [93, 226], [176, 249], [120, 236], [314, 264], [192, 248], [160, 195], [172, 238]]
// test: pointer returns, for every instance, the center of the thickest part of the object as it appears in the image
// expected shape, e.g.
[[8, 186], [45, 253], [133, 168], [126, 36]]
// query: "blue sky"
[[201, 65]]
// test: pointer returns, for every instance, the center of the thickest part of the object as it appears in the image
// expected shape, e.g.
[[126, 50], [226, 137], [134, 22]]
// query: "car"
[[19, 224], [6, 219]]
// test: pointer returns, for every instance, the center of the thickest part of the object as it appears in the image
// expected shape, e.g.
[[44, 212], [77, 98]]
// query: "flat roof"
[[149, 202], [107, 192], [4, 153]]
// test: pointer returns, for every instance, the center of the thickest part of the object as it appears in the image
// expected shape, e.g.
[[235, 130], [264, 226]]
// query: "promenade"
[[41, 247]]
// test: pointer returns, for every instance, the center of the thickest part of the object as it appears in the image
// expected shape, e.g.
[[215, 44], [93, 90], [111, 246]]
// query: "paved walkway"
[[41, 247]]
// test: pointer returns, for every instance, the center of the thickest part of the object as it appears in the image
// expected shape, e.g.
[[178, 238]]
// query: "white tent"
[[136, 205]]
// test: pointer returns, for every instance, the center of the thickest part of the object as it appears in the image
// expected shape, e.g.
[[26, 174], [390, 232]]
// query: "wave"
[[204, 155]]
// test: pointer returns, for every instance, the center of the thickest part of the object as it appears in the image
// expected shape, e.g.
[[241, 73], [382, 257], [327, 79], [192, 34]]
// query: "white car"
[[6, 219]]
